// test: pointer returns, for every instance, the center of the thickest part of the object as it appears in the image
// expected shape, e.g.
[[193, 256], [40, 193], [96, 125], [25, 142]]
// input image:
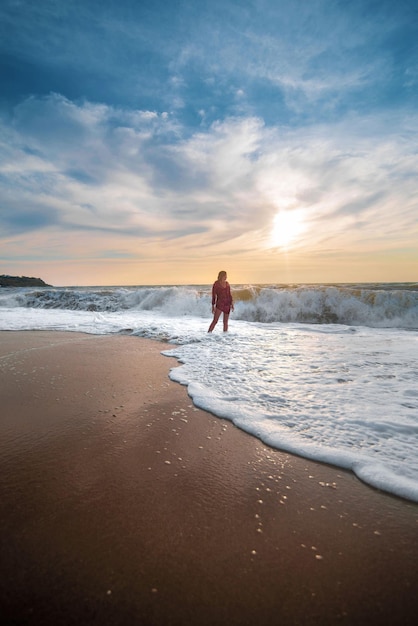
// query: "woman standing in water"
[[221, 301]]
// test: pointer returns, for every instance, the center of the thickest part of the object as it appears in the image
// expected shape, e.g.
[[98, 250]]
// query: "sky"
[[161, 141]]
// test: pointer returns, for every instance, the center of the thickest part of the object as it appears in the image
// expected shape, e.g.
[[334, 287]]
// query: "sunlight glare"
[[287, 225]]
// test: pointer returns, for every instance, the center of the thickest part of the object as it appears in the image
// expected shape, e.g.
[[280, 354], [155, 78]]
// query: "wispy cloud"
[[99, 168], [171, 130]]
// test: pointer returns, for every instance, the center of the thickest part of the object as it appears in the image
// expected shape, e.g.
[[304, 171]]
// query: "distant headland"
[[21, 281]]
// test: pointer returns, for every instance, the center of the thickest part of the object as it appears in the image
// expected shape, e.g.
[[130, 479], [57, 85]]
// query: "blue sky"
[[158, 142]]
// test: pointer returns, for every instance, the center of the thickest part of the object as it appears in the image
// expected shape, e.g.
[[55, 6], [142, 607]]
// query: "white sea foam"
[[341, 393], [380, 306]]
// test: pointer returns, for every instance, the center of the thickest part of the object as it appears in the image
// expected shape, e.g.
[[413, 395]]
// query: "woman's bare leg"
[[226, 318], [215, 320]]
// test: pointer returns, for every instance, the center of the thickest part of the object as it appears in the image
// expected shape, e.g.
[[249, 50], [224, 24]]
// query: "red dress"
[[221, 296]]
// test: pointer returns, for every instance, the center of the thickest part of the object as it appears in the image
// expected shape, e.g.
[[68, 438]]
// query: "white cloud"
[[98, 169]]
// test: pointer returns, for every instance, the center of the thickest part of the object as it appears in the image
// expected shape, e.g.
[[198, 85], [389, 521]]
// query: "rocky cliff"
[[21, 281]]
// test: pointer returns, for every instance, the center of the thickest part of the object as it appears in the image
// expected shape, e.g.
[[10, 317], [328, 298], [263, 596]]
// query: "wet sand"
[[121, 503]]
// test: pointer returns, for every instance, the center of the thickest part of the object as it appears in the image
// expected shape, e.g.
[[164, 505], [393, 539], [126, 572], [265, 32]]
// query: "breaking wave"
[[392, 305]]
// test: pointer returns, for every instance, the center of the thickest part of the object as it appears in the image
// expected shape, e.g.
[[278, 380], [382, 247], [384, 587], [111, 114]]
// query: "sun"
[[287, 226]]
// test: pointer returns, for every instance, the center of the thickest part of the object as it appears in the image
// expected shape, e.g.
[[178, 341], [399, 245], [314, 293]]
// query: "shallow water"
[[343, 393]]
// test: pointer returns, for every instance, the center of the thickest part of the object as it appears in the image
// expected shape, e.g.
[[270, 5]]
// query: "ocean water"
[[328, 372]]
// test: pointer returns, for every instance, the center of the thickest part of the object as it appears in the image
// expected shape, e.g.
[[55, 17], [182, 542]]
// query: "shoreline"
[[123, 503]]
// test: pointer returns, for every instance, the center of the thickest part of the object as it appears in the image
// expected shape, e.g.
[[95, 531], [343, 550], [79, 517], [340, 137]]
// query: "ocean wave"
[[353, 306], [375, 305]]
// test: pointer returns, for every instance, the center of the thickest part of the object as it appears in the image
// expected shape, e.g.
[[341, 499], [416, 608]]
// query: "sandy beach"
[[121, 503]]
